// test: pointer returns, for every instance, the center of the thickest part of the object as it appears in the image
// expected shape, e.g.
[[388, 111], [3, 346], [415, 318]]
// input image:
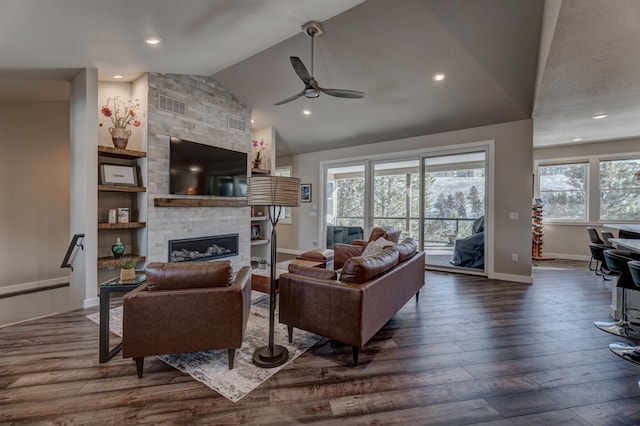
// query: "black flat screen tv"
[[199, 169]]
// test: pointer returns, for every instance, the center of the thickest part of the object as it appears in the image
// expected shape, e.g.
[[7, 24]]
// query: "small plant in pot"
[[127, 271], [262, 263]]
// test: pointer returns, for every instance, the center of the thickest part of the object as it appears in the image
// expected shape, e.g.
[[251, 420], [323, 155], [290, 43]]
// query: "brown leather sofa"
[[186, 307], [344, 252], [351, 309]]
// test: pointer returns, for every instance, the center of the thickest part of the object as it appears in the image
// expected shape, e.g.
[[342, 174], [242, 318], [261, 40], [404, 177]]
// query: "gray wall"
[[34, 213], [512, 189]]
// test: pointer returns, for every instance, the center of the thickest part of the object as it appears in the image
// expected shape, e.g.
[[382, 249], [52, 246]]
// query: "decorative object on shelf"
[[536, 231], [262, 263], [121, 115], [305, 193], [114, 174], [274, 192], [117, 249], [123, 215], [127, 271], [258, 148], [113, 214], [255, 232]]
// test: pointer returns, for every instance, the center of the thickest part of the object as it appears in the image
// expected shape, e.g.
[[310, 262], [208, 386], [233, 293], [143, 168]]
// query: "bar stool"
[[617, 261], [595, 239], [597, 254], [628, 352]]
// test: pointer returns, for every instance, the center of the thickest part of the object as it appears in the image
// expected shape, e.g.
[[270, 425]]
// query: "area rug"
[[211, 367]]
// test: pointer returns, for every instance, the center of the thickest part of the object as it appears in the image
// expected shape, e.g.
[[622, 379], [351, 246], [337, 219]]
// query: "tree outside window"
[[563, 189], [619, 191]]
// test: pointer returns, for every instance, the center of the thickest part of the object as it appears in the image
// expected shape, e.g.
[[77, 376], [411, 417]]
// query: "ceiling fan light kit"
[[311, 87]]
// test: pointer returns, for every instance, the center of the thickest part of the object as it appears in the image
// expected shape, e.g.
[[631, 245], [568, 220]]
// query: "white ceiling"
[[489, 49]]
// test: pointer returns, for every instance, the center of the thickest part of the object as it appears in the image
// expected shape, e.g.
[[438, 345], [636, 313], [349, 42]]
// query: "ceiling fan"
[[311, 88]]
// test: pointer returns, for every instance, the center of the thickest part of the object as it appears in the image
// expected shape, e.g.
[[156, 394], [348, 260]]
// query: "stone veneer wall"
[[207, 107]]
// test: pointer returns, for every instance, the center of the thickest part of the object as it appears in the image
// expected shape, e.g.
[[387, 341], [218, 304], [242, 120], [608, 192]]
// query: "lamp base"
[[264, 358]]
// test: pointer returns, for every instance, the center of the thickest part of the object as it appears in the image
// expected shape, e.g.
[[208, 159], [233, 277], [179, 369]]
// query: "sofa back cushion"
[[174, 276], [387, 232], [361, 269], [406, 249]]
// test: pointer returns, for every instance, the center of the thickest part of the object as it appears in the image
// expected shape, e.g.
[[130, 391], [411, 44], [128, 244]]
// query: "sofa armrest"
[[344, 252]]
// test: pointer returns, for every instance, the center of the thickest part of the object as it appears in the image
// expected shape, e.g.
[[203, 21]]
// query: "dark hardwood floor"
[[472, 351]]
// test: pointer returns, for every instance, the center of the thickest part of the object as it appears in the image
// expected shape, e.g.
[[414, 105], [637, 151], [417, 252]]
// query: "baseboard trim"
[[90, 303], [568, 256], [510, 277]]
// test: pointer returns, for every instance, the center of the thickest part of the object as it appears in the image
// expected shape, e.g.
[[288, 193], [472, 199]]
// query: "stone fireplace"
[[203, 248]]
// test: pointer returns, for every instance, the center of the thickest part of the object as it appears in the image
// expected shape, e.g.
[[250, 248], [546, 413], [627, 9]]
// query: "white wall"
[[571, 241], [512, 189], [34, 212]]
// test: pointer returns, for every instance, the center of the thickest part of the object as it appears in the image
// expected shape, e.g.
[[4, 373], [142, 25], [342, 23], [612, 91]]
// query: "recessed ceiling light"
[[118, 76], [306, 112], [439, 76], [576, 139], [252, 121], [152, 40], [599, 116]]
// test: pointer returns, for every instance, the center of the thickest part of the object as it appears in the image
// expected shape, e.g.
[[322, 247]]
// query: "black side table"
[[114, 285]]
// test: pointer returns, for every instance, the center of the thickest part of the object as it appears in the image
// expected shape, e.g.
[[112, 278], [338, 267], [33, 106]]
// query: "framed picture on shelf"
[[123, 215], [255, 232], [305, 193], [115, 174]]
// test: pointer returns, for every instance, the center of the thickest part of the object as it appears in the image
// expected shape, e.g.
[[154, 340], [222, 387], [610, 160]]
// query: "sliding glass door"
[[438, 199]]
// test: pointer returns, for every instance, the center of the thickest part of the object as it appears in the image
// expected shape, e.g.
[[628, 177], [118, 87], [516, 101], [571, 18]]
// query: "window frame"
[[587, 187]]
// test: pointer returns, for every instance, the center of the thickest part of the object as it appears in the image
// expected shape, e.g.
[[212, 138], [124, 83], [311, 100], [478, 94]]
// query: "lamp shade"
[[273, 191]]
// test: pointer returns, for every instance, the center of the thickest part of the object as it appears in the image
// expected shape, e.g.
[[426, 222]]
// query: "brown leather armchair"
[[186, 307], [344, 252]]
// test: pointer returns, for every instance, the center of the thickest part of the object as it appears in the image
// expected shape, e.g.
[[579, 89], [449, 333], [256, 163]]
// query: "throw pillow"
[[376, 246]]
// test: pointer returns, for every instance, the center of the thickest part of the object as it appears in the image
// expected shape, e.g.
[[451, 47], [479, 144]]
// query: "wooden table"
[[260, 278]]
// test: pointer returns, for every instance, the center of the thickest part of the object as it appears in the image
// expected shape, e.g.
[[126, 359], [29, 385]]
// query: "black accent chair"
[[595, 239], [628, 352], [597, 254], [617, 261], [606, 237]]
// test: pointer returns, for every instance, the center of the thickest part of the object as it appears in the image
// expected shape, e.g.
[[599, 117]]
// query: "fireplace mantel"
[[199, 202]]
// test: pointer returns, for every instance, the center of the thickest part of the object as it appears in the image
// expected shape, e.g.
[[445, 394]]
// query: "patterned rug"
[[211, 367]]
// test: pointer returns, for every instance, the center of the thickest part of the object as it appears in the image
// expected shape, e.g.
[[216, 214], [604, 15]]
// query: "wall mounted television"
[[199, 169]]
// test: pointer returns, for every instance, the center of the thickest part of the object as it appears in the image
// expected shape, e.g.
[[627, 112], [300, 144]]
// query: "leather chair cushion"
[[307, 271], [406, 249], [173, 276], [361, 269]]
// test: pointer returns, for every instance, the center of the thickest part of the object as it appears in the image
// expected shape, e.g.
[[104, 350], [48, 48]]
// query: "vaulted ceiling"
[[561, 62]]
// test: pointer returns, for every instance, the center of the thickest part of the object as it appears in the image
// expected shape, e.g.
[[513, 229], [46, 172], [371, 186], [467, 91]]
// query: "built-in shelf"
[[258, 218], [199, 202], [121, 188], [108, 151], [111, 262], [128, 225], [259, 242]]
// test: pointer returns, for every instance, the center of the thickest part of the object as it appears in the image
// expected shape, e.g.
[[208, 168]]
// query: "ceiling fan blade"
[[292, 98], [340, 93], [300, 69]]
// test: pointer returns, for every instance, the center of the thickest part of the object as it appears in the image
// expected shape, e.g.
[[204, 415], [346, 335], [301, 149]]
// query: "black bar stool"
[[628, 352], [617, 261], [597, 254]]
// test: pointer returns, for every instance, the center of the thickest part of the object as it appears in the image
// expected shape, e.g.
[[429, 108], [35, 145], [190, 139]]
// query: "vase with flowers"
[[121, 114], [258, 148]]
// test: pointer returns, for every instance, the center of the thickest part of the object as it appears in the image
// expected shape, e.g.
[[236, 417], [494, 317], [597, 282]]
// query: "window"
[[619, 191], [563, 189], [286, 215]]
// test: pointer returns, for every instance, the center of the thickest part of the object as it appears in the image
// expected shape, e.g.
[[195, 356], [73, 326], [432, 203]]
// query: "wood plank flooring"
[[472, 351]]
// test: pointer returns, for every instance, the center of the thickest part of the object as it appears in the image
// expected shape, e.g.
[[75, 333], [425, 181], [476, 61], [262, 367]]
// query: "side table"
[[114, 285]]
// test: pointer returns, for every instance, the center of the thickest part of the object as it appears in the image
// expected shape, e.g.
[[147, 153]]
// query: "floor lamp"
[[274, 192]]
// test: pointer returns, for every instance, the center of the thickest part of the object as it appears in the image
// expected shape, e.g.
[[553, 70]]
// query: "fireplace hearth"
[[203, 248]]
